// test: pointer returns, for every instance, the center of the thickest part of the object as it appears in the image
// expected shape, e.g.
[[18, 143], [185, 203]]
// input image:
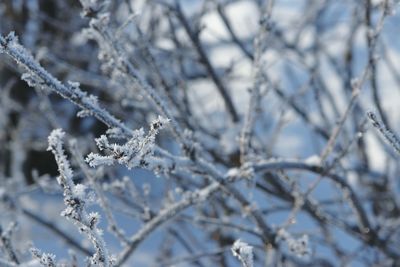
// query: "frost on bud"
[[244, 252], [159, 123], [45, 259], [92, 8], [94, 218], [74, 85], [102, 142], [7, 41], [55, 138], [299, 246], [29, 79], [373, 119], [83, 113], [55, 141], [92, 100]]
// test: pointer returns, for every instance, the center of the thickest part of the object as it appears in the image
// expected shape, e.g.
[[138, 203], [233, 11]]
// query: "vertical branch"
[[245, 137], [74, 199], [372, 35], [234, 37], [332, 139], [99, 193], [194, 37]]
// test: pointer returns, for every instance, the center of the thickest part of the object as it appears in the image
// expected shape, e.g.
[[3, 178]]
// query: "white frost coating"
[[38, 75], [244, 252], [114, 132], [56, 146], [27, 77], [299, 246], [313, 160], [75, 199], [137, 152], [353, 180], [388, 135], [95, 160], [233, 172], [45, 259]]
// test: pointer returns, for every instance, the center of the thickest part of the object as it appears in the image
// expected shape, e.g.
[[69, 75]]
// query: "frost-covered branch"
[[75, 198], [45, 259], [190, 199], [38, 76], [387, 134], [137, 152], [99, 193]]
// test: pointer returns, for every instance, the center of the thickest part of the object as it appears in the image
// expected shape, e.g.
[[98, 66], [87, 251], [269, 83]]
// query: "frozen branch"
[[387, 134], [74, 199], [37, 75], [45, 259]]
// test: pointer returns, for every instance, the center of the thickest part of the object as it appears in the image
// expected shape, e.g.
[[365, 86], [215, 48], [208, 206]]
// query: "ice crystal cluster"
[[137, 152]]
